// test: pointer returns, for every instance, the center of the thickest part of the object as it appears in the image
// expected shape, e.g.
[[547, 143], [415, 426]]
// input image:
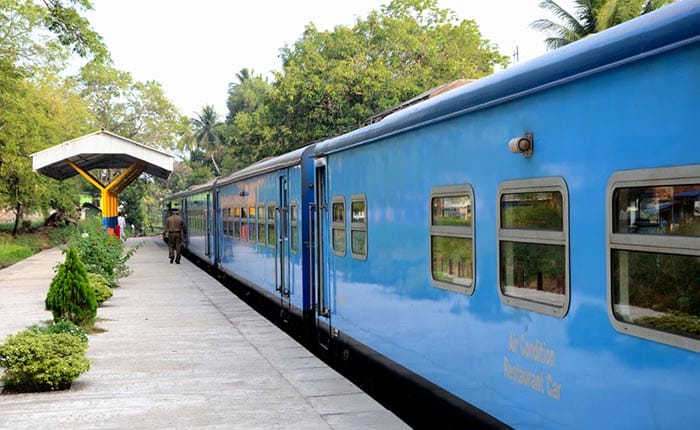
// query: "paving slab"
[[179, 351]]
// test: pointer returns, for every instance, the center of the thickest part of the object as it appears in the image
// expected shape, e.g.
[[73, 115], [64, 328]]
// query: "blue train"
[[526, 246]]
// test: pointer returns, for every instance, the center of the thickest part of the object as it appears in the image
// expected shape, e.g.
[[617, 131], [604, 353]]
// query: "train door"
[[207, 220], [322, 293], [282, 268], [215, 227]]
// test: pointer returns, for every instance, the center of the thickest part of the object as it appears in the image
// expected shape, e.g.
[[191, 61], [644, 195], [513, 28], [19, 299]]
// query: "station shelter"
[[103, 150]]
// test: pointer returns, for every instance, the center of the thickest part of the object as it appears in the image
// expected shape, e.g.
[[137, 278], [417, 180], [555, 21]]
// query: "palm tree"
[[589, 16], [206, 133], [614, 12]]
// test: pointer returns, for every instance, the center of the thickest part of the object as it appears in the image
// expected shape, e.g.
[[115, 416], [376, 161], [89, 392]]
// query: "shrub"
[[100, 252], [37, 361], [100, 286], [70, 296], [63, 327]]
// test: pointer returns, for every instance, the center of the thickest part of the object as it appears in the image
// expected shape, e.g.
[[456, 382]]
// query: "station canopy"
[[100, 150]]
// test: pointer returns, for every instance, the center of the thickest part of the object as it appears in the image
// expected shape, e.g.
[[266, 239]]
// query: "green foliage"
[[70, 296], [10, 254], [535, 216], [100, 252], [588, 17], [100, 286], [25, 40], [35, 115], [39, 361], [17, 248], [661, 282], [132, 109], [673, 322], [333, 81], [63, 326]]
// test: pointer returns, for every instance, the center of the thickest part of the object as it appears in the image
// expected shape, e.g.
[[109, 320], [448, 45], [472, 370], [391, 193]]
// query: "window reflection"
[[451, 238], [338, 226], [339, 240], [338, 212], [533, 272], [658, 210], [659, 291], [358, 211], [271, 225], [451, 260], [261, 224], [454, 210], [536, 210]]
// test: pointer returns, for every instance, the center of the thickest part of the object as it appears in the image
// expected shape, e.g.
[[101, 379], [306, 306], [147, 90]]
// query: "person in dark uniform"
[[174, 229]]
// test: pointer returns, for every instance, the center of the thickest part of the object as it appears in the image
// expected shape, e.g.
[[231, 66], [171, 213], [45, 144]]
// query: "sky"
[[195, 48]]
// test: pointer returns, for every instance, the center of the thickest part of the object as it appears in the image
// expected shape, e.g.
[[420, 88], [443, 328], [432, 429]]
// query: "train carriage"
[[263, 230], [530, 242], [197, 208], [526, 246]]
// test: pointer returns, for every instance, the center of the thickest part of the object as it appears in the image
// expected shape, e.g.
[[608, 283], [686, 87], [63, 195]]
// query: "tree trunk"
[[18, 216], [218, 172]]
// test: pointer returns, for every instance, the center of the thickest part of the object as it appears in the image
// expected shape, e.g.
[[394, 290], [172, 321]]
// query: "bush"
[[37, 361], [100, 252], [63, 327], [100, 286], [70, 296]]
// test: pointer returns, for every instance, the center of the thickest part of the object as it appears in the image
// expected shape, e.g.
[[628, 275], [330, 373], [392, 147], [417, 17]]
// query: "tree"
[[70, 296], [36, 116], [29, 48], [37, 108], [247, 123], [333, 81], [247, 95], [136, 110], [207, 133], [589, 16]]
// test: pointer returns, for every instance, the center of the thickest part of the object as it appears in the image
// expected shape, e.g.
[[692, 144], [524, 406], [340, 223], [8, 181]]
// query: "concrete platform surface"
[[179, 351]]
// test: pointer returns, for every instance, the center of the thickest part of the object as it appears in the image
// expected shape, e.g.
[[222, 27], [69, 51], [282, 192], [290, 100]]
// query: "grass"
[[26, 244]]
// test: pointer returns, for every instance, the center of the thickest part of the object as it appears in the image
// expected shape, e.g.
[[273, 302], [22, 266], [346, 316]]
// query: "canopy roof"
[[100, 150]]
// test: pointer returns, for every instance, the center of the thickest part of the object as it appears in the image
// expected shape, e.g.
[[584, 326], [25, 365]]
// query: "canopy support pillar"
[[109, 202]]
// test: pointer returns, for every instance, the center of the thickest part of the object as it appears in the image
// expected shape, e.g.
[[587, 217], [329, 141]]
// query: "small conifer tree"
[[70, 296]]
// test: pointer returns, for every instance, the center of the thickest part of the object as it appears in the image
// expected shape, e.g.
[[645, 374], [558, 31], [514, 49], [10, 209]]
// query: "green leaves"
[[70, 296], [588, 17], [36, 360], [333, 81]]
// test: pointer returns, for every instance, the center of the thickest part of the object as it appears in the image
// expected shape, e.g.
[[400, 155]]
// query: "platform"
[[179, 350]]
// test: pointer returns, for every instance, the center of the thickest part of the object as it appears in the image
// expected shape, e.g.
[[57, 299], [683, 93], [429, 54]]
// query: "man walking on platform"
[[174, 229]]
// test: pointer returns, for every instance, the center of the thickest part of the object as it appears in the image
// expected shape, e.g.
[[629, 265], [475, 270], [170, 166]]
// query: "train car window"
[[294, 226], [237, 223], [252, 228], [452, 238], [261, 224], [358, 226], [271, 225], [244, 223], [533, 245], [338, 226], [224, 218], [654, 254]]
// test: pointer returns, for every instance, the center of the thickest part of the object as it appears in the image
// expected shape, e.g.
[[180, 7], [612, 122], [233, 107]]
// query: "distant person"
[[121, 222], [174, 229]]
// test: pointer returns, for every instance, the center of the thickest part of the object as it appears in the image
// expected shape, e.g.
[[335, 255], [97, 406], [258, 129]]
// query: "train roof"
[[268, 165], [194, 189], [666, 28], [263, 166]]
